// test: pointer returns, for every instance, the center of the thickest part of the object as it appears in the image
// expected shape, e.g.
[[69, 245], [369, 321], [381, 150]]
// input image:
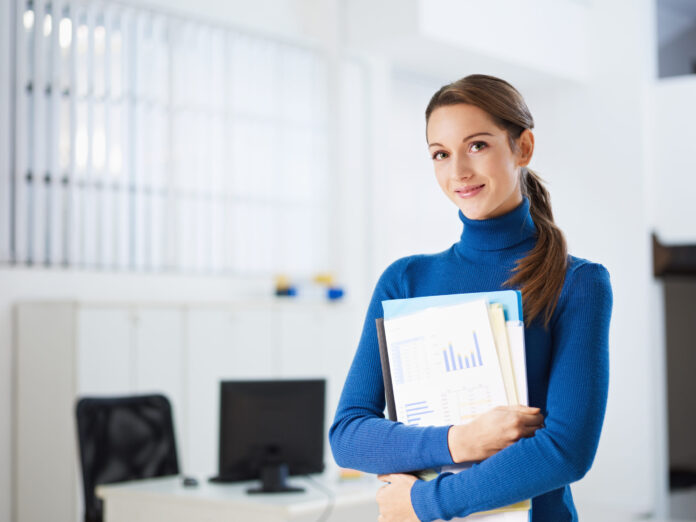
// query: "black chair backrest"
[[123, 438]]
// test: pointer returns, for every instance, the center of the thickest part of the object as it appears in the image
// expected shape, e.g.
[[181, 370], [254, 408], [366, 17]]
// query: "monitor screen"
[[271, 422]]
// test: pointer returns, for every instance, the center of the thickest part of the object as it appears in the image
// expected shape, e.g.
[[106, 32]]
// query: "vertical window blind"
[[149, 142]]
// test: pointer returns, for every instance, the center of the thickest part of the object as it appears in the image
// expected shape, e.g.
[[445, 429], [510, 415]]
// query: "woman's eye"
[[435, 156], [477, 143]]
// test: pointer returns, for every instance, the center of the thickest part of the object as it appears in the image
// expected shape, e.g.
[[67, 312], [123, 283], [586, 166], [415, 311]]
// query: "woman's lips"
[[469, 192]]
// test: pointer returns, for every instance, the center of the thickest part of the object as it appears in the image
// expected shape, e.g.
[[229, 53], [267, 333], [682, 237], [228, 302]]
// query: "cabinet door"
[[222, 344], [45, 451], [315, 341], [158, 358], [104, 358]]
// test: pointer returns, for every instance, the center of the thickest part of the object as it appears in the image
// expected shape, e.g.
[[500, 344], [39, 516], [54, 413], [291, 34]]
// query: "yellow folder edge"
[[502, 345], [524, 505]]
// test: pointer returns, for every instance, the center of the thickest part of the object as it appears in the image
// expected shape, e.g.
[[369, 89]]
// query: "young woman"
[[479, 136]]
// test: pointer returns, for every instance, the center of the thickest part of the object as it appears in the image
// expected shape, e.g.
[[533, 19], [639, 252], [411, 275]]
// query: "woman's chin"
[[475, 213]]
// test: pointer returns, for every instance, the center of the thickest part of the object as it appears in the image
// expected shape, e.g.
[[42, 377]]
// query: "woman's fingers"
[[525, 409], [529, 416], [528, 431], [533, 420]]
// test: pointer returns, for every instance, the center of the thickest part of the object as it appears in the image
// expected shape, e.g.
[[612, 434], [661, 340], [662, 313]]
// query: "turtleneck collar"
[[500, 232]]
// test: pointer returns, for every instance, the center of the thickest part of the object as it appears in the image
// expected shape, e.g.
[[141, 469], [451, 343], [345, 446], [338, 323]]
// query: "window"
[[148, 142]]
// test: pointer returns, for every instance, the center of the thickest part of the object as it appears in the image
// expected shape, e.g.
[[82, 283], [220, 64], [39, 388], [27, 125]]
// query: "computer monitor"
[[271, 429]]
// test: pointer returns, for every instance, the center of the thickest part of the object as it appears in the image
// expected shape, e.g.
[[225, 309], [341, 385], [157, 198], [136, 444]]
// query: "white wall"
[[546, 35], [412, 214], [674, 184]]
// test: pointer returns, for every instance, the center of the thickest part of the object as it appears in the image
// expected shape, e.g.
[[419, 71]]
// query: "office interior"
[[224, 144]]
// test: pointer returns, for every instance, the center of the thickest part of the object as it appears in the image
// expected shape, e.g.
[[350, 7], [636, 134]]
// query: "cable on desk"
[[329, 506]]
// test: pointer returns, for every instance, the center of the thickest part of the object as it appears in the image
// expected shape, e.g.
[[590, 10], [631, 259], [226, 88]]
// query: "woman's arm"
[[562, 452], [361, 438]]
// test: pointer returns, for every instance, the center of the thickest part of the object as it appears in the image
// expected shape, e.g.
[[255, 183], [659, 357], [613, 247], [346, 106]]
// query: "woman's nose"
[[461, 169]]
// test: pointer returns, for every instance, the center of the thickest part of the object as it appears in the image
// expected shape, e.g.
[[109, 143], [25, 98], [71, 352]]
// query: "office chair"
[[123, 438]]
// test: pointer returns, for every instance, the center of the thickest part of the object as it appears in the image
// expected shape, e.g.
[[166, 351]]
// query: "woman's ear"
[[525, 146]]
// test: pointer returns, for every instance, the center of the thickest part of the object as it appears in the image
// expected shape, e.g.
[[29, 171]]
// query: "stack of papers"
[[447, 359]]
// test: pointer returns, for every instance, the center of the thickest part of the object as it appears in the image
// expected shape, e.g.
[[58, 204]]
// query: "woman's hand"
[[492, 431], [394, 499]]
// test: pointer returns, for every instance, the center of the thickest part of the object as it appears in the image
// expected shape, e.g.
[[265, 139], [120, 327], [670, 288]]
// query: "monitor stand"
[[273, 480]]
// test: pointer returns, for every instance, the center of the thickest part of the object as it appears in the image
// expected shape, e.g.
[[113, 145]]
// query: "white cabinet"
[[157, 356], [66, 350], [102, 344], [305, 356], [223, 343], [300, 356]]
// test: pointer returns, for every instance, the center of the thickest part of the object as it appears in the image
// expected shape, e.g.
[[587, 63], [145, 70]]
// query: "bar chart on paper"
[[453, 359], [418, 413]]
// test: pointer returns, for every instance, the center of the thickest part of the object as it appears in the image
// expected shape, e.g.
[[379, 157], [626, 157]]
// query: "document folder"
[[483, 354]]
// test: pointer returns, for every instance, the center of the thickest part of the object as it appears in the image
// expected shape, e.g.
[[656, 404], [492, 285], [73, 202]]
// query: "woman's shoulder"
[[407, 267], [585, 270], [587, 281], [416, 262], [586, 297]]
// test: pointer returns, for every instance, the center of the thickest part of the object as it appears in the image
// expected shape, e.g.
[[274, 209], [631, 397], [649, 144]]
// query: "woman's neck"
[[498, 233]]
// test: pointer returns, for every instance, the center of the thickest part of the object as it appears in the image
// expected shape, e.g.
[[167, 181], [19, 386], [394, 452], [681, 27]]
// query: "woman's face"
[[473, 162]]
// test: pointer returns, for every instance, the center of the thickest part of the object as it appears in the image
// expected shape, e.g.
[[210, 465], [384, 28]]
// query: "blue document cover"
[[510, 299]]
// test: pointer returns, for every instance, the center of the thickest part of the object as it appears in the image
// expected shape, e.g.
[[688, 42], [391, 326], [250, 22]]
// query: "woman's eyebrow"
[[465, 139]]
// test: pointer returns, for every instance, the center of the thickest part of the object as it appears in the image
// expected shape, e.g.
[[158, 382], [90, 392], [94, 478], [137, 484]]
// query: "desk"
[[167, 500]]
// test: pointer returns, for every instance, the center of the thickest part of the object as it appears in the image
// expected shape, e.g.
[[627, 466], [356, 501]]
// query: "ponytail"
[[541, 272]]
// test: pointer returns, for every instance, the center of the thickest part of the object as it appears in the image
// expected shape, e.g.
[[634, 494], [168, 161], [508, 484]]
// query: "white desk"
[[167, 500]]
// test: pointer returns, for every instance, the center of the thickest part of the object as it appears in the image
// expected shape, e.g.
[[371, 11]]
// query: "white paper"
[[444, 365]]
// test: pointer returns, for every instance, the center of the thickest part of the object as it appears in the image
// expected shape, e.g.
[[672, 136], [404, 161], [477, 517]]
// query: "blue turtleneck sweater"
[[567, 375]]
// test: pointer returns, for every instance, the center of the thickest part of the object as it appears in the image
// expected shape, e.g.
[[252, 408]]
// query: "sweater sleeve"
[[561, 452], [360, 437]]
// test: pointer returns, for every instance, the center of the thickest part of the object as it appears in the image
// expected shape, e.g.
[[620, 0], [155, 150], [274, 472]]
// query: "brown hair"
[[541, 272]]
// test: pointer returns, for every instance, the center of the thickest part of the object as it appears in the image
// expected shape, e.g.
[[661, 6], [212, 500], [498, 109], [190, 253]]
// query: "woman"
[[479, 136]]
